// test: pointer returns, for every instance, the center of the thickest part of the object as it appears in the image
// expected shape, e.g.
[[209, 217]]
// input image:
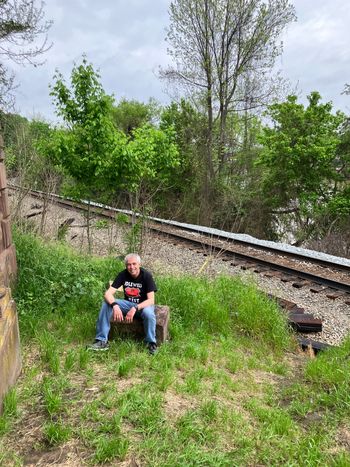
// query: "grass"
[[228, 389]]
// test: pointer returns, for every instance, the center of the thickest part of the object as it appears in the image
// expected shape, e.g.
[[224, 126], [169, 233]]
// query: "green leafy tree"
[[300, 159], [89, 147], [146, 173], [189, 129], [89, 144], [153, 158], [101, 160], [131, 114]]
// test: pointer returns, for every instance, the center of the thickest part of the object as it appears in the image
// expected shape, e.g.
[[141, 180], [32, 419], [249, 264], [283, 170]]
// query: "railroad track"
[[321, 275], [302, 271]]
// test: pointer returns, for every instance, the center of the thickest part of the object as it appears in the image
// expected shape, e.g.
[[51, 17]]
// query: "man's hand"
[[130, 315], [117, 314]]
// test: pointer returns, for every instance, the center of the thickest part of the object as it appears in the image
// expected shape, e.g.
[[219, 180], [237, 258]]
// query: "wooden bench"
[[135, 328]]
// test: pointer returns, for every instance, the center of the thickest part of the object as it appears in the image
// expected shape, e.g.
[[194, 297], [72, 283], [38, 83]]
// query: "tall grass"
[[223, 305], [329, 375], [53, 280]]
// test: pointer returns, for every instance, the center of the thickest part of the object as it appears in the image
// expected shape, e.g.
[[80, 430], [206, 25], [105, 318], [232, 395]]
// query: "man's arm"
[[109, 297], [149, 301]]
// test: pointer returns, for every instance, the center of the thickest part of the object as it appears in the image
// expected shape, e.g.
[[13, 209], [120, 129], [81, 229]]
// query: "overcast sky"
[[124, 39]]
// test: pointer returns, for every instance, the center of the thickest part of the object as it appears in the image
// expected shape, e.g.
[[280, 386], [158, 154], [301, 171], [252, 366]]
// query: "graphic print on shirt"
[[132, 291]]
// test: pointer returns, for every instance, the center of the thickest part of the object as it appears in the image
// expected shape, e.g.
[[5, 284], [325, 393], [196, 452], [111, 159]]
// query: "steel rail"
[[259, 246], [272, 265]]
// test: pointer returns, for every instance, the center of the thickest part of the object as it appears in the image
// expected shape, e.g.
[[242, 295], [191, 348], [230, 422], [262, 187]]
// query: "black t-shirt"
[[135, 290]]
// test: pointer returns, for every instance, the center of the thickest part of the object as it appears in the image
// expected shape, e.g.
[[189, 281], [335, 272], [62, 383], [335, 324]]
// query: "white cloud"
[[316, 53], [124, 39]]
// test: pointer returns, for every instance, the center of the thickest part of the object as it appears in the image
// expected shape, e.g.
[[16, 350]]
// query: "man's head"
[[132, 264]]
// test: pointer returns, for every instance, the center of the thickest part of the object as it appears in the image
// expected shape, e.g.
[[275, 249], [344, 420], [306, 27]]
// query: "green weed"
[[10, 404], [209, 410], [83, 359], [109, 449], [9, 411], [52, 396], [101, 224], [125, 366], [70, 360], [49, 351], [4, 425], [56, 433]]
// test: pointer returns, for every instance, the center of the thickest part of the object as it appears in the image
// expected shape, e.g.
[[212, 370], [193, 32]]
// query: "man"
[[139, 288]]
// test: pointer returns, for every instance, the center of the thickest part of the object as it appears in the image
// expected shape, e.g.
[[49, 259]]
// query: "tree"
[[89, 143], [129, 115], [218, 48], [21, 23], [100, 159], [89, 147], [24, 163], [152, 156], [302, 162], [189, 127]]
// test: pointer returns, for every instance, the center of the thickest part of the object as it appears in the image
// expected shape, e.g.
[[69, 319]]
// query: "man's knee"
[[148, 313], [105, 306]]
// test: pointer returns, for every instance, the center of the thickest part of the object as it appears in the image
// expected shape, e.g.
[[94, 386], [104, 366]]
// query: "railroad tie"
[[317, 288], [333, 294], [300, 283], [304, 322], [297, 318], [316, 346]]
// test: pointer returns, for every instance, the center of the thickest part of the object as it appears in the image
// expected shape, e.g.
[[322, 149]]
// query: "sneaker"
[[98, 345], [152, 348]]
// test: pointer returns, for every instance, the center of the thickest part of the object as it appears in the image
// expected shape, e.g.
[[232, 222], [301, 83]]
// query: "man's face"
[[133, 267]]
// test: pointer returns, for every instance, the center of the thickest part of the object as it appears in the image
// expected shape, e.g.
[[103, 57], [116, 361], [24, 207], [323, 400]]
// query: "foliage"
[[299, 151], [47, 284], [223, 304], [131, 114], [25, 164], [188, 127], [152, 156], [330, 370], [21, 138], [89, 146], [101, 159], [303, 167], [223, 53]]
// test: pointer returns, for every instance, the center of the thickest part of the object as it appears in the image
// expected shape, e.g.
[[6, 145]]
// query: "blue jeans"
[[147, 315]]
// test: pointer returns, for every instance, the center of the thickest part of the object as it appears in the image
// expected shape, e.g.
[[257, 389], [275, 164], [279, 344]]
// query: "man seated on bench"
[[139, 289]]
